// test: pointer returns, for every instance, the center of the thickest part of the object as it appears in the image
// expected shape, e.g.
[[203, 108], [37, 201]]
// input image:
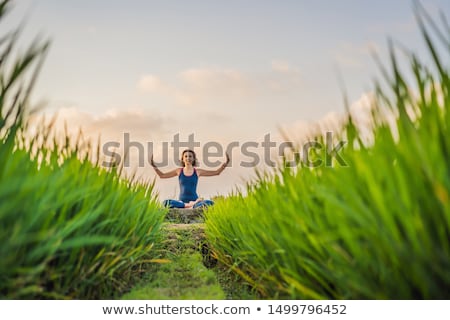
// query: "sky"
[[222, 71]]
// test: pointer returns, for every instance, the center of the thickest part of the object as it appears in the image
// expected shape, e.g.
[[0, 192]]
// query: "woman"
[[188, 179]]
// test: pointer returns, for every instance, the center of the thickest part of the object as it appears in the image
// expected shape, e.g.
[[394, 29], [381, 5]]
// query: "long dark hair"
[[194, 163]]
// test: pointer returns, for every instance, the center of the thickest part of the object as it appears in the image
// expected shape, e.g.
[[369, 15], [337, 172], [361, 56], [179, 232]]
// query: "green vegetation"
[[69, 228], [377, 229], [183, 276]]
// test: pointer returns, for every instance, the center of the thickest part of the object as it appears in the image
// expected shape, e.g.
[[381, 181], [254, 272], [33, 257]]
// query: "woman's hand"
[[191, 204], [209, 173], [228, 159], [168, 174], [152, 163]]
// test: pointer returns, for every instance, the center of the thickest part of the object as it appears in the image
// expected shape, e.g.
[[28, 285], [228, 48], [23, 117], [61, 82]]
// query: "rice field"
[[69, 228], [378, 228]]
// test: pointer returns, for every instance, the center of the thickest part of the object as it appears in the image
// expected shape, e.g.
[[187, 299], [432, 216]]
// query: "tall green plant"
[[68, 228], [377, 229]]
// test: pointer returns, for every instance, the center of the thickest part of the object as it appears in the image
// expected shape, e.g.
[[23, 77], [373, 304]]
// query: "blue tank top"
[[188, 186]]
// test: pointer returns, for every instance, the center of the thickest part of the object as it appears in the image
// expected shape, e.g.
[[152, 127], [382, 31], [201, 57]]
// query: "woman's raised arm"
[[208, 173], [163, 175]]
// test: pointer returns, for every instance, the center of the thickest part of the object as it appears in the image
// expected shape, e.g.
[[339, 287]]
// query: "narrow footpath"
[[184, 274]]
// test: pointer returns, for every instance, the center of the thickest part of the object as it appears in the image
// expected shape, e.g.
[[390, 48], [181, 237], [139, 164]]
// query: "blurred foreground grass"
[[378, 228], [68, 228]]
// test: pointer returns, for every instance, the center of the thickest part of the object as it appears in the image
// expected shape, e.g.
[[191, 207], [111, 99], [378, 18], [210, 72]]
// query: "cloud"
[[139, 123], [361, 109], [203, 86], [152, 83], [212, 78], [198, 85], [208, 84], [135, 132], [300, 132]]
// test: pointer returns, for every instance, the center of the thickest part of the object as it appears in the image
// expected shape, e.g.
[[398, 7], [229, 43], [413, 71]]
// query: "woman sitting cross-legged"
[[188, 179]]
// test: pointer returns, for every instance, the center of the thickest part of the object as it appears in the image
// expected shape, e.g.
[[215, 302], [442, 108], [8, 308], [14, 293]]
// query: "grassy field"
[[69, 228], [378, 228]]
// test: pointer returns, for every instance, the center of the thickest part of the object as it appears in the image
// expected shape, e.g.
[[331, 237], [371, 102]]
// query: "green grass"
[[377, 229], [183, 276], [68, 227], [233, 285]]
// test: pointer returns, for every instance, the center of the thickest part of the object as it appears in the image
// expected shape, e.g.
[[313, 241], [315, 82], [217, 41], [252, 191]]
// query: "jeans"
[[170, 203]]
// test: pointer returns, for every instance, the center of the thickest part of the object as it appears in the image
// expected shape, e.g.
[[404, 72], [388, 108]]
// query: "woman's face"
[[188, 157]]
